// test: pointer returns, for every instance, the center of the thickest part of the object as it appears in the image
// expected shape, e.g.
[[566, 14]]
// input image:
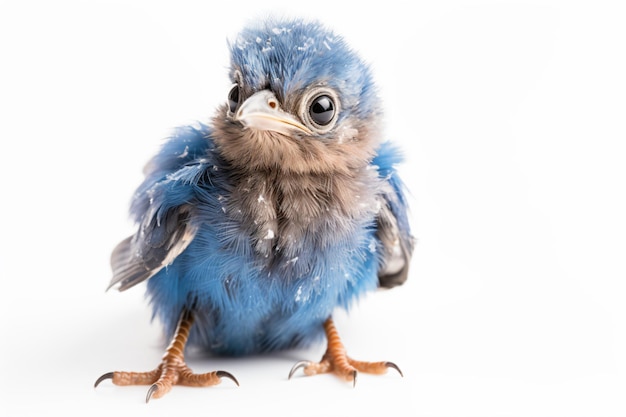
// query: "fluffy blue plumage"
[[264, 232]]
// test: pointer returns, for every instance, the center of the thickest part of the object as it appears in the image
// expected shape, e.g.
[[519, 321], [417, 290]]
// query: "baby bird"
[[254, 228]]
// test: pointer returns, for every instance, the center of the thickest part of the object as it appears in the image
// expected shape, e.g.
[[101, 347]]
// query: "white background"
[[512, 117]]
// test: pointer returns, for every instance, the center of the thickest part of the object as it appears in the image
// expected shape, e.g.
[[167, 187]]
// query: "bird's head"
[[302, 101]]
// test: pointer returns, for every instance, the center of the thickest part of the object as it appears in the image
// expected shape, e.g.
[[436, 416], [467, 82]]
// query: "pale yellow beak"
[[262, 111]]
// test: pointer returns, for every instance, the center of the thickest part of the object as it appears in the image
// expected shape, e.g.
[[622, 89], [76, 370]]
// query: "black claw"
[[151, 391], [224, 374], [394, 366], [301, 364], [108, 375], [354, 374]]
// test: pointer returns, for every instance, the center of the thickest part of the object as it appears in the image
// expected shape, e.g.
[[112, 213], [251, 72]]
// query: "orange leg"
[[172, 370], [337, 361]]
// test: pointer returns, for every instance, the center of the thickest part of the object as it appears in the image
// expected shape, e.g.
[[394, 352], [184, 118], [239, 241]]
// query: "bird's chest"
[[282, 216]]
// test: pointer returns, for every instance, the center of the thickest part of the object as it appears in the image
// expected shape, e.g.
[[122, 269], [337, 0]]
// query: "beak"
[[262, 111]]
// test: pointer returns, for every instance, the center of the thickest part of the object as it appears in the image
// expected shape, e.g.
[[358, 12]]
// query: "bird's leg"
[[337, 361], [172, 370]]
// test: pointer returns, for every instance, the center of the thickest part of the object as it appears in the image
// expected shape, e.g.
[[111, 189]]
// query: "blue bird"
[[255, 227]]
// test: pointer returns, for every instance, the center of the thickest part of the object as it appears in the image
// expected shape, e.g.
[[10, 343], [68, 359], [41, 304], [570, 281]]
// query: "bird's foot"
[[169, 373], [172, 371], [336, 361], [344, 367]]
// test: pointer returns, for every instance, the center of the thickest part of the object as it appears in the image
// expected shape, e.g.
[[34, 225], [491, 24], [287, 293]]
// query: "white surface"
[[512, 114]]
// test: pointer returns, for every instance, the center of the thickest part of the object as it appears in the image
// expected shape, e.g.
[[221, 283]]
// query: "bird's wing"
[[163, 207], [397, 248], [392, 224], [155, 245]]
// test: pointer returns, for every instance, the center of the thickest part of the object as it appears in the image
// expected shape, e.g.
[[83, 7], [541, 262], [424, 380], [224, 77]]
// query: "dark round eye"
[[233, 98], [319, 109], [322, 110]]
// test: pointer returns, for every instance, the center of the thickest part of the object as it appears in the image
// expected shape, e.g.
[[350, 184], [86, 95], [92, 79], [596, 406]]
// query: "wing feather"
[[392, 224], [397, 248], [155, 245]]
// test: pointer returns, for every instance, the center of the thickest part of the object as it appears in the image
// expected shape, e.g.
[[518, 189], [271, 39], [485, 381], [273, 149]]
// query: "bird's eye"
[[322, 110], [319, 109], [233, 98]]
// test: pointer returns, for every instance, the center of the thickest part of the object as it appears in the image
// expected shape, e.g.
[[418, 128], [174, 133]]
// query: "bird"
[[255, 226]]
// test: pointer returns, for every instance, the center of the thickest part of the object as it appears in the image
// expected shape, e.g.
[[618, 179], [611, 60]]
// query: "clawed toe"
[[108, 375], [161, 382], [336, 361], [172, 370], [298, 365], [394, 366]]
